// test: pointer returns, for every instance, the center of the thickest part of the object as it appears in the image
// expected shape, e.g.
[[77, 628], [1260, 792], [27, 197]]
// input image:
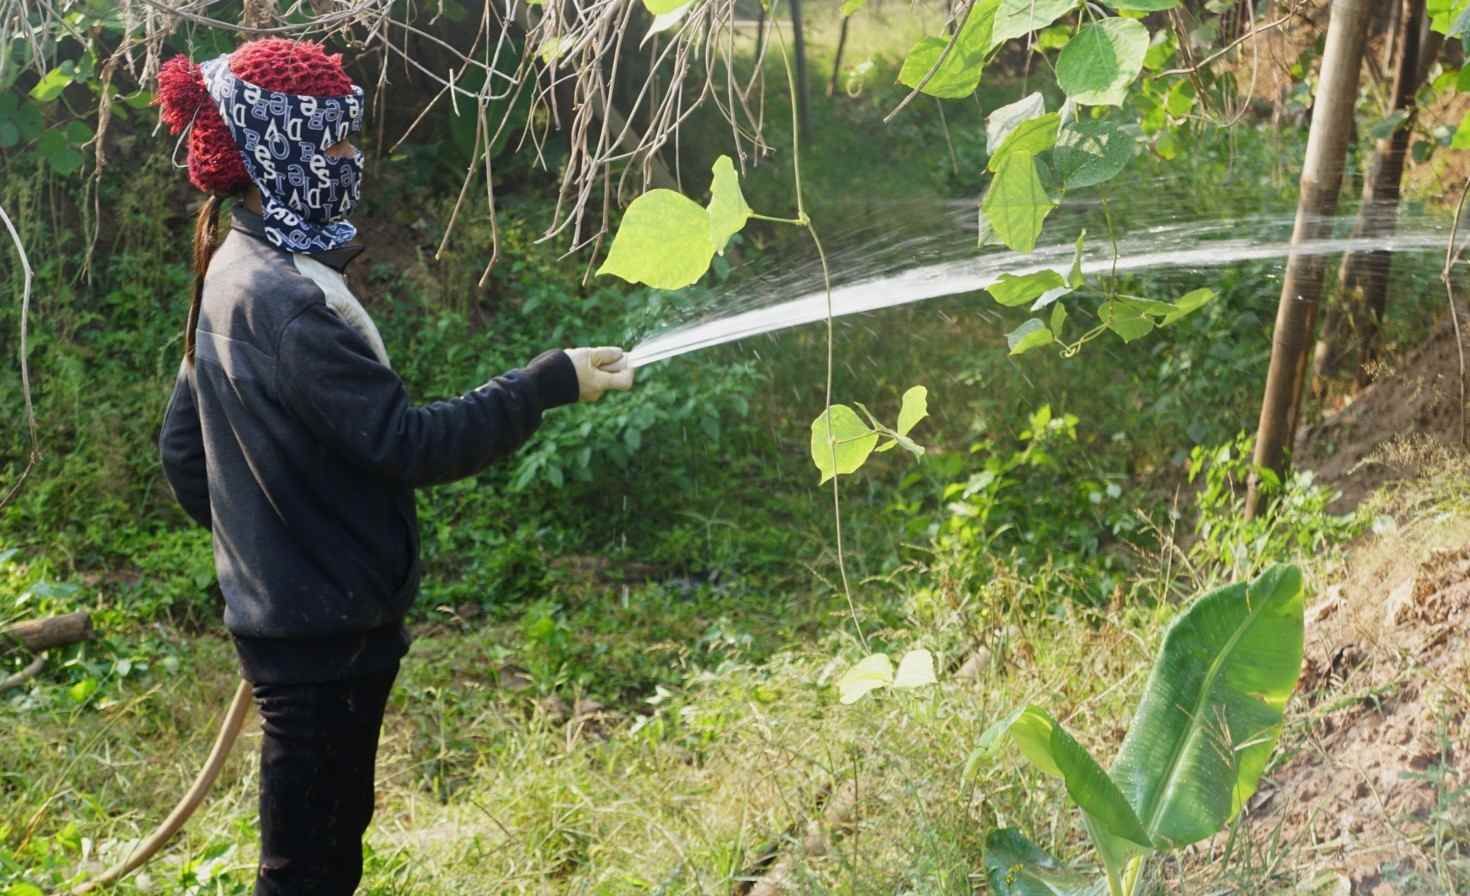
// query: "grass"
[[680, 784]]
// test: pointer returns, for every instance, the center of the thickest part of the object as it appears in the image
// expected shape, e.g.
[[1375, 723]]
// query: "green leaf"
[[83, 689], [1181, 99], [77, 133], [1187, 304], [1075, 277], [1053, 751], [1058, 319], [1013, 290], [1125, 320], [659, 7], [1016, 205], [29, 120], [1002, 121], [9, 134], [1031, 334], [915, 670], [139, 99], [663, 241], [552, 48], [959, 74], [22, 888], [51, 85], [851, 6], [1090, 152], [1144, 5], [870, 674], [1461, 140], [727, 209], [915, 407], [1096, 66], [1015, 866], [1034, 136], [851, 441], [1018, 17], [1212, 709], [1450, 17], [666, 21], [62, 158], [1161, 50]]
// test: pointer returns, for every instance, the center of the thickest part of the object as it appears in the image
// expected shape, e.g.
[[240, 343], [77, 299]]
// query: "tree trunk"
[[1301, 289], [837, 59], [798, 43], [1362, 284]]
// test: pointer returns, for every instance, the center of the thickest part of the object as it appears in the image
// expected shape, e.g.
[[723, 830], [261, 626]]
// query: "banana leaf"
[[1015, 866], [1212, 709], [1052, 750]]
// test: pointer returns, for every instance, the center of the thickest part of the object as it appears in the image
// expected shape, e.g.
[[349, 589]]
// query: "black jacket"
[[296, 444]]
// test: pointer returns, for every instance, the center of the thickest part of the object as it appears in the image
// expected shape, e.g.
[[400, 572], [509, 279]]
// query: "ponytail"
[[206, 232]]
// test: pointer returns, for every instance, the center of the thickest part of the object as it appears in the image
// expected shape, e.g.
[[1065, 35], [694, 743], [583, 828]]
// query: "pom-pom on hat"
[[288, 66]]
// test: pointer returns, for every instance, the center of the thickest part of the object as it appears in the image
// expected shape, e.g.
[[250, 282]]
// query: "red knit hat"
[[289, 66]]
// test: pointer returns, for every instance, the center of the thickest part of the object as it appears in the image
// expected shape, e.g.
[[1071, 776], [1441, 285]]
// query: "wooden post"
[[1301, 290]]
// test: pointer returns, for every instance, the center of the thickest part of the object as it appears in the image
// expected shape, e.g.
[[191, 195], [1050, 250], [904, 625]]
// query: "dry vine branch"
[[25, 370], [1451, 255], [567, 62], [26, 674], [1257, 32]]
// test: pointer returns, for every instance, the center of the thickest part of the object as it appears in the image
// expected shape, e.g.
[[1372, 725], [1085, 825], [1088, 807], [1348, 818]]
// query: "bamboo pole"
[[1362, 286], [1301, 290]]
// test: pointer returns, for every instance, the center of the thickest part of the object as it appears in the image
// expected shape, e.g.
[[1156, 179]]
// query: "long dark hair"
[[206, 240]]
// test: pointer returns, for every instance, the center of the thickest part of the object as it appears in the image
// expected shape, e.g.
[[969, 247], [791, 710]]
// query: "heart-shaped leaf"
[[1096, 67], [663, 241], [1005, 119], [1020, 17], [915, 670], [870, 674], [1013, 290], [958, 74], [728, 211], [841, 441], [915, 407], [1016, 205], [1029, 335]]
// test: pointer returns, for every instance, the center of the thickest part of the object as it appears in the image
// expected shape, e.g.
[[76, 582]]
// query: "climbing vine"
[[1035, 156]]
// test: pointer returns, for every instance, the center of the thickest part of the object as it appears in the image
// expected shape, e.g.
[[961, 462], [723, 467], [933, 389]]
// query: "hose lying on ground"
[[229, 730]]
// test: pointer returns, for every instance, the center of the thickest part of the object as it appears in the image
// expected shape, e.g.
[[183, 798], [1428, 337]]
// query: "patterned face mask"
[[283, 139]]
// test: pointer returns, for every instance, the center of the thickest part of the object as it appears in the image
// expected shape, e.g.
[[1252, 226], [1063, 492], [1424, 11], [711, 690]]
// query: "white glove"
[[600, 369]]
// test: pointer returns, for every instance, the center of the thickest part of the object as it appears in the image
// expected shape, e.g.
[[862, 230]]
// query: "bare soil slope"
[[1408, 418], [1372, 788]]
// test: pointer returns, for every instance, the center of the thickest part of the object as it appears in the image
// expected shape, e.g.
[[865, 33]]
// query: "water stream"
[[884, 270]]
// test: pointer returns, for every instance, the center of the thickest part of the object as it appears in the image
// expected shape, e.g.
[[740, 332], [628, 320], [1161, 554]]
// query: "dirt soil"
[[1392, 428], [1371, 790]]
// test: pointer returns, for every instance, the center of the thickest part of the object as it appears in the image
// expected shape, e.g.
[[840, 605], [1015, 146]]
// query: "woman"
[[292, 439]]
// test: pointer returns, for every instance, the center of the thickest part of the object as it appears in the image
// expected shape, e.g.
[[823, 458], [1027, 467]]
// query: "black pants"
[[316, 782]]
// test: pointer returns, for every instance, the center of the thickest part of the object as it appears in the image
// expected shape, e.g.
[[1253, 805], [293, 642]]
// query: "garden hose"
[[228, 732]]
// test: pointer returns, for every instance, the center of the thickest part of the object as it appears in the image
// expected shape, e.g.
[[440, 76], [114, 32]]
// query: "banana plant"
[[1204, 730]]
